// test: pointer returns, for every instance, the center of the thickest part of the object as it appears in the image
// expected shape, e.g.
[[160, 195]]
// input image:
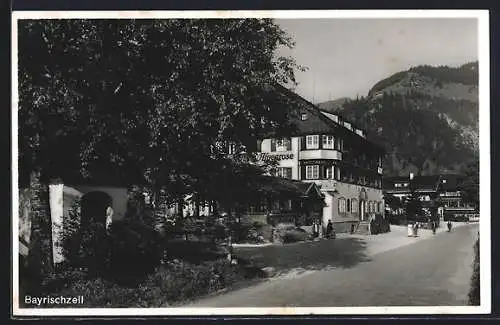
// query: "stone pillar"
[[56, 215]]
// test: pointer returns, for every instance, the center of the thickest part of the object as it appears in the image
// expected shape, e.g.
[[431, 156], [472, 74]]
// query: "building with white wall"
[[334, 154]]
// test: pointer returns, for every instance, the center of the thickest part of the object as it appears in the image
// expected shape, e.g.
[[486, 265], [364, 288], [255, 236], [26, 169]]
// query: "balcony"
[[320, 154]]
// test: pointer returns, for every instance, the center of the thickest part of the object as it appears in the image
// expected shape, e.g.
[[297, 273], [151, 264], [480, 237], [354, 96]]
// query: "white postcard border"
[[485, 178]]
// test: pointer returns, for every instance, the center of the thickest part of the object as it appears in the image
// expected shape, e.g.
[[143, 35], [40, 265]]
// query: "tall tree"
[[469, 187], [147, 100], [151, 95]]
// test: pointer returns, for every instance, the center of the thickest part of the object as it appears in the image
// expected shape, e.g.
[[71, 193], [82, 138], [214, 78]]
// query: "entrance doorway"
[[362, 204]]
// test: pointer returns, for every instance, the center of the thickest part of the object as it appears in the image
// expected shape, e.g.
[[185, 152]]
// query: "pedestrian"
[[352, 229], [449, 226], [329, 229], [315, 229], [433, 225]]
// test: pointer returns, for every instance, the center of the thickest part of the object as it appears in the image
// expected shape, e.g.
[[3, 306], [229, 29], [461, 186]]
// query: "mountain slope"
[[333, 104], [426, 117]]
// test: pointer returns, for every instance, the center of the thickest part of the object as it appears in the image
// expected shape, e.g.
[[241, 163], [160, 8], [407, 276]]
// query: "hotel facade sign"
[[266, 156]]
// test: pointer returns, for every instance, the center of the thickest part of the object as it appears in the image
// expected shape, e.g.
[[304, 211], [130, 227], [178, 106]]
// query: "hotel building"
[[337, 156]]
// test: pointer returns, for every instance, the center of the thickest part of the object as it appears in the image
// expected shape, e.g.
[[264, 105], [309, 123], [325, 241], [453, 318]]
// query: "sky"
[[346, 57]]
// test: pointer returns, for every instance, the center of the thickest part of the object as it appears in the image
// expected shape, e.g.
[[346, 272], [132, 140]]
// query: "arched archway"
[[96, 206]]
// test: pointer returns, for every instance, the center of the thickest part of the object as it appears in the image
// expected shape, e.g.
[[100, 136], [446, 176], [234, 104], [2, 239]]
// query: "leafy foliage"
[[469, 188], [293, 236], [40, 259], [379, 225], [467, 74], [413, 207], [393, 202], [424, 131], [169, 284], [147, 99], [416, 138], [474, 292]]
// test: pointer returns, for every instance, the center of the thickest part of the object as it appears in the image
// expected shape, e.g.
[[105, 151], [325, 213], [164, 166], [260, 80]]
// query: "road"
[[435, 271]]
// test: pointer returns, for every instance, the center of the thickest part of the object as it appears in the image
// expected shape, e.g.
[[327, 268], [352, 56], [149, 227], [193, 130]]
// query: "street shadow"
[[306, 256]]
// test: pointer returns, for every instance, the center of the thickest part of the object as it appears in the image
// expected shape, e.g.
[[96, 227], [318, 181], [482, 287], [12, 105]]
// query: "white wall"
[[351, 191], [118, 195], [291, 163]]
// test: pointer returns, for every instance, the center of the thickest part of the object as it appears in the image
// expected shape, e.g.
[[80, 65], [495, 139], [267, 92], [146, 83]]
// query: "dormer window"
[[282, 144], [303, 116]]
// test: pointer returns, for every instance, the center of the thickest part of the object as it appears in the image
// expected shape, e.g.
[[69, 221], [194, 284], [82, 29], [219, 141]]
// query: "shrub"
[[169, 284], [134, 250], [250, 233], [474, 292], [379, 225], [293, 236], [128, 251]]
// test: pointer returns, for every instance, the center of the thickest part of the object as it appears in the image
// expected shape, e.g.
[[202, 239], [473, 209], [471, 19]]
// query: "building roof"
[[319, 122], [278, 186], [447, 182]]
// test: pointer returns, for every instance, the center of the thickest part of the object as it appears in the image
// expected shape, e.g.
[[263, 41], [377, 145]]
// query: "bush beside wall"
[[474, 293], [293, 236], [379, 225]]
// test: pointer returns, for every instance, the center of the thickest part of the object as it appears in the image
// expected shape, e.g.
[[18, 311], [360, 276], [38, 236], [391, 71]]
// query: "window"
[[312, 172], [303, 116], [354, 205], [348, 205], [329, 172], [285, 172], [328, 142], [312, 141], [342, 205], [283, 144]]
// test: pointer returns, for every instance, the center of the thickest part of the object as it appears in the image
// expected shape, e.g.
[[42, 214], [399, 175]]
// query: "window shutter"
[[302, 172], [321, 138], [273, 145], [303, 142], [288, 144]]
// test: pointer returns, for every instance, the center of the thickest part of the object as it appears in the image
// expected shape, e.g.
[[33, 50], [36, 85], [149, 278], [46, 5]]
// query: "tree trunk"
[[159, 211], [40, 255]]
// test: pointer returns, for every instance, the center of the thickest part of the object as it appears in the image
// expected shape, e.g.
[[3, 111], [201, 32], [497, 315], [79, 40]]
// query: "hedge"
[[474, 292]]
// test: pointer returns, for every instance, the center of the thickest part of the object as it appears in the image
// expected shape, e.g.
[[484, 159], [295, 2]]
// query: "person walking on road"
[[449, 226], [433, 225]]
